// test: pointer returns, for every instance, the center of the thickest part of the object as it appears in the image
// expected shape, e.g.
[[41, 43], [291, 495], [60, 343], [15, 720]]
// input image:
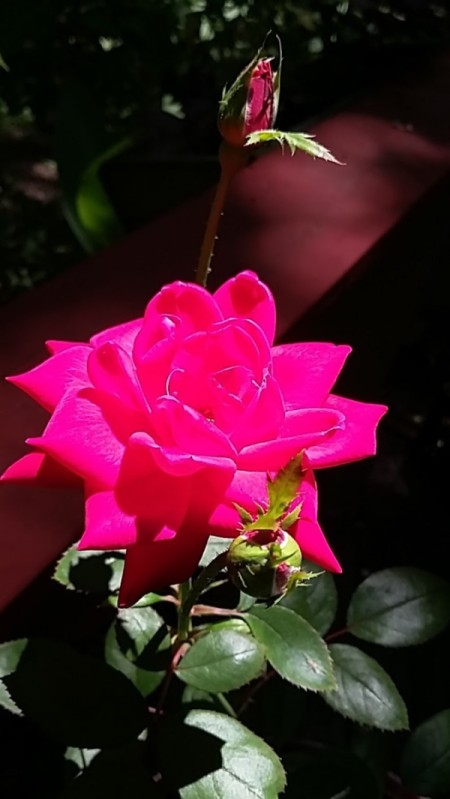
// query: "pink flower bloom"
[[170, 419]]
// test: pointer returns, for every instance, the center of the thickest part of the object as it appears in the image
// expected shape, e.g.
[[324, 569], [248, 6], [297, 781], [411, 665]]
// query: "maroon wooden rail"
[[303, 225]]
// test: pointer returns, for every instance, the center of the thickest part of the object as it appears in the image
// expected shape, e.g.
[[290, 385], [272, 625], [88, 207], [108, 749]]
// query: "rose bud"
[[263, 563], [251, 103]]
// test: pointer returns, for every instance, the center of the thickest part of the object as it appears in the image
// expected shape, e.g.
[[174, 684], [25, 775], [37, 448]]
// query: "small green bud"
[[264, 563]]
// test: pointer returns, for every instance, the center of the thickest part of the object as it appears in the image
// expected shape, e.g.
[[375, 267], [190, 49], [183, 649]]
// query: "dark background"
[[83, 80]]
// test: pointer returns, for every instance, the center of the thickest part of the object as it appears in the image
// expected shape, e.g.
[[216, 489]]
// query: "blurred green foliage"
[[139, 56], [154, 70]]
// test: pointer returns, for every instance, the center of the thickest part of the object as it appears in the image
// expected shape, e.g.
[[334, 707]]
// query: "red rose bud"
[[259, 111], [251, 103], [264, 563]]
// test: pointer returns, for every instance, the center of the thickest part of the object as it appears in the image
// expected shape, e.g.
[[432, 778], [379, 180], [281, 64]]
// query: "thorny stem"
[[232, 159], [178, 652], [336, 634], [210, 610], [188, 594], [184, 620]]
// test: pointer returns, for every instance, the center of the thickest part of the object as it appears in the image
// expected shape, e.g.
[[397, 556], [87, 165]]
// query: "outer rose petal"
[[176, 463], [314, 545], [153, 566], [78, 437], [357, 438], [123, 334], [245, 296], [55, 346], [111, 369], [246, 489], [302, 429], [108, 527], [48, 382], [42, 470], [306, 373], [260, 106], [146, 490]]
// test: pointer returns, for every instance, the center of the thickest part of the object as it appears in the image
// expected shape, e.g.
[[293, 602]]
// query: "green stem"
[[189, 598], [184, 621], [232, 159]]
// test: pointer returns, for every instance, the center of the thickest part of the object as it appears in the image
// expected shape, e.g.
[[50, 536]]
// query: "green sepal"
[[277, 80], [246, 517], [282, 491], [228, 105], [291, 518]]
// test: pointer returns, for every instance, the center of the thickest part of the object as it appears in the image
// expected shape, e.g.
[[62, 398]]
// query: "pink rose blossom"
[[170, 419]]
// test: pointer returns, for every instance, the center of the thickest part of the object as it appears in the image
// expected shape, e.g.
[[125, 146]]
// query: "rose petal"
[[111, 370], [207, 396], [225, 344], [192, 304], [247, 297], [179, 310], [55, 346], [314, 545], [144, 489], [78, 437], [263, 418], [307, 530], [355, 440], [247, 489], [307, 495], [209, 487], [49, 381], [182, 427], [260, 111], [40, 469], [151, 567], [306, 373], [153, 368], [302, 429], [107, 526], [123, 334]]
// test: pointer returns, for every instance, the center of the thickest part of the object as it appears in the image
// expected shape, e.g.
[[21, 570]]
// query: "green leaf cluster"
[[274, 666]]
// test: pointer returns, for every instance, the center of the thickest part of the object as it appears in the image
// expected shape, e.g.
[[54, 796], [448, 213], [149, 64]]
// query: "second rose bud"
[[251, 103]]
